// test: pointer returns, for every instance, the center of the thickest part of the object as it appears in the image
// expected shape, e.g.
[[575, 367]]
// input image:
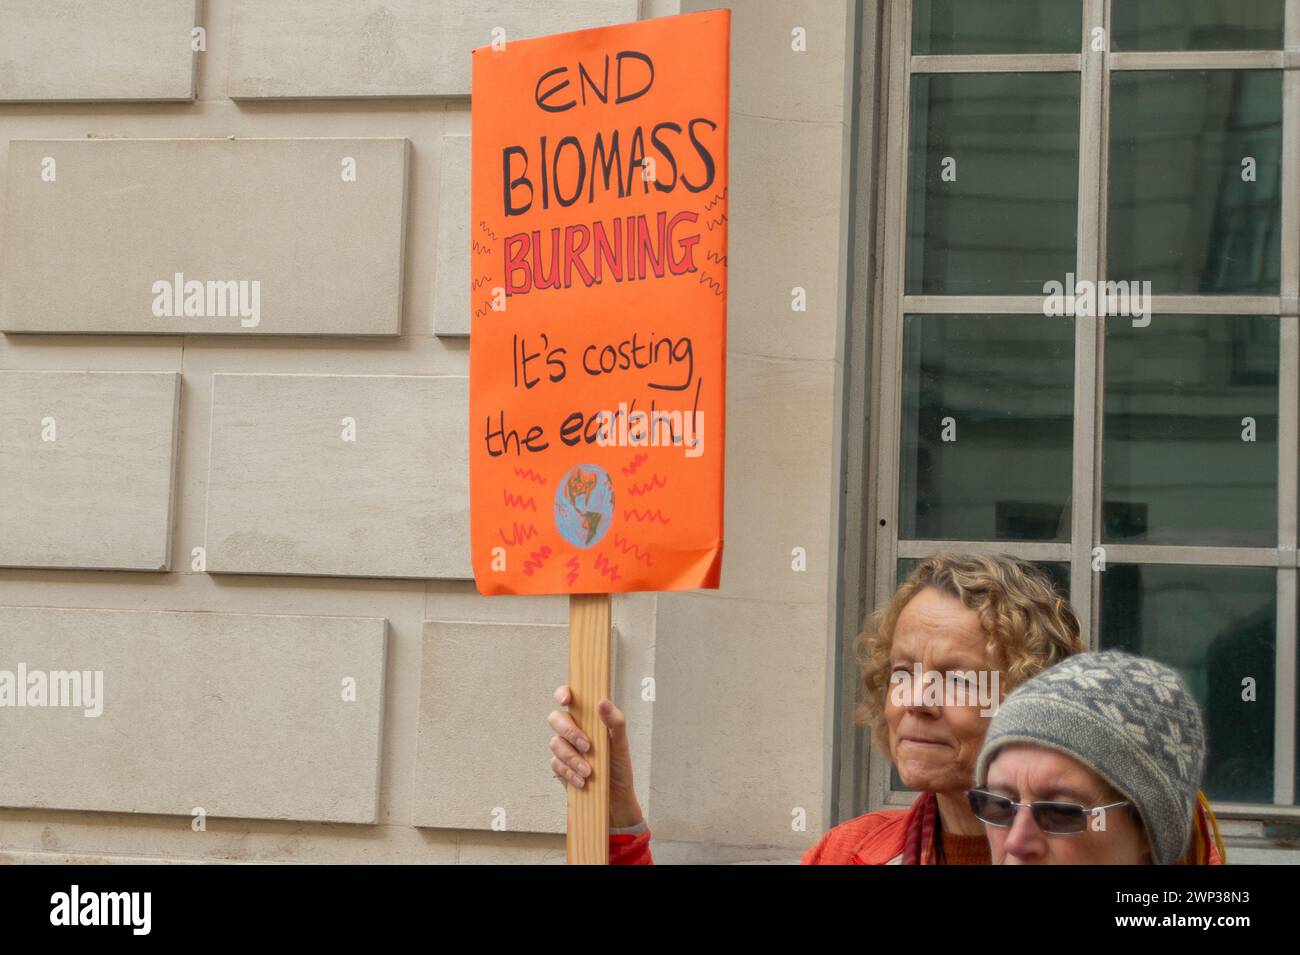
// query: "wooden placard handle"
[[589, 636]]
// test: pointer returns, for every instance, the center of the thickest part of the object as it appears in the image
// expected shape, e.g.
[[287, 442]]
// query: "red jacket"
[[630, 850], [876, 838], [873, 839]]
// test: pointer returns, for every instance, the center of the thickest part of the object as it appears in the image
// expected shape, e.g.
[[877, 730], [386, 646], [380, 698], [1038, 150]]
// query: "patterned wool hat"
[[1128, 719]]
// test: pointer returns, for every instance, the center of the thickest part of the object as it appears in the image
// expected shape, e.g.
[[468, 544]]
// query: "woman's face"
[[934, 747], [1026, 773]]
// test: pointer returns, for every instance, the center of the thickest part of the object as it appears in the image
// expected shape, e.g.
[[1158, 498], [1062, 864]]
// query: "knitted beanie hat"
[[1128, 719]]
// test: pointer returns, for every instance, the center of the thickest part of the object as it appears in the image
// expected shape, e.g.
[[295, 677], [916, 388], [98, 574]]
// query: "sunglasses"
[[1054, 818]]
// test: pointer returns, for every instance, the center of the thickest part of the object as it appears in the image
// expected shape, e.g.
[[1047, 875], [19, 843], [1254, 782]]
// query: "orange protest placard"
[[598, 325]]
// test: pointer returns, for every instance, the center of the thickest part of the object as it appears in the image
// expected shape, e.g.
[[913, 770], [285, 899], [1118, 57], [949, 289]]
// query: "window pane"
[[1217, 626], [1058, 571], [1196, 25], [896, 781], [1177, 466], [993, 170], [996, 26], [987, 424], [1195, 186]]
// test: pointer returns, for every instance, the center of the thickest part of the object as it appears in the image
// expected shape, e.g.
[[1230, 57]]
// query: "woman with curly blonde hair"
[[957, 619], [955, 614]]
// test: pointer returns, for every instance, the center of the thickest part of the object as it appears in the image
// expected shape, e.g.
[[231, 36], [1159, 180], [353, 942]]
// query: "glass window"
[[1195, 180], [987, 427], [993, 181], [1058, 571], [1217, 626], [1184, 412], [1196, 24], [996, 26], [1190, 437]]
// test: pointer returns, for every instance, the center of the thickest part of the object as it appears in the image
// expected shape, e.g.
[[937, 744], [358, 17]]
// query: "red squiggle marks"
[[633, 514], [479, 247], [626, 545], [530, 474], [714, 257], [481, 280], [572, 564], [606, 568], [637, 461], [717, 222], [521, 502], [706, 279], [536, 559], [519, 533], [713, 200], [482, 224], [636, 490]]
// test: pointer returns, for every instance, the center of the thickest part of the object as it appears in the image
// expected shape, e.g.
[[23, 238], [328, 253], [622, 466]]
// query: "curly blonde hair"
[[1028, 625]]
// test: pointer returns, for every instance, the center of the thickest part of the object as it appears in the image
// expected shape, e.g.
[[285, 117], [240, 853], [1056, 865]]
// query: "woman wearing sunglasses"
[[955, 614], [1097, 761]]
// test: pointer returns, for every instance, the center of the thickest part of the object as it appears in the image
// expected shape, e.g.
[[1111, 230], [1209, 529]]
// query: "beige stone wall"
[[197, 528]]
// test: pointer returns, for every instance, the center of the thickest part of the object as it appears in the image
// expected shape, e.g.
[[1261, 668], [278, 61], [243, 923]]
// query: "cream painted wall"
[[736, 746]]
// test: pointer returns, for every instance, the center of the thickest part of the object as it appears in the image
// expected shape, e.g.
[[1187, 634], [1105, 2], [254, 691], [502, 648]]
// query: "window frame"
[[870, 788]]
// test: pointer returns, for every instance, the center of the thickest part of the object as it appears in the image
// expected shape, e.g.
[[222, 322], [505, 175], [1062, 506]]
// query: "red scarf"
[[919, 840]]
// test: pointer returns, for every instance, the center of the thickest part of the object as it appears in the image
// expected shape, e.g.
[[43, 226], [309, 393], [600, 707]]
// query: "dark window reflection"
[[1175, 463], [1196, 24], [997, 26], [1184, 212], [1216, 626], [1002, 388], [1003, 221], [1058, 571]]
